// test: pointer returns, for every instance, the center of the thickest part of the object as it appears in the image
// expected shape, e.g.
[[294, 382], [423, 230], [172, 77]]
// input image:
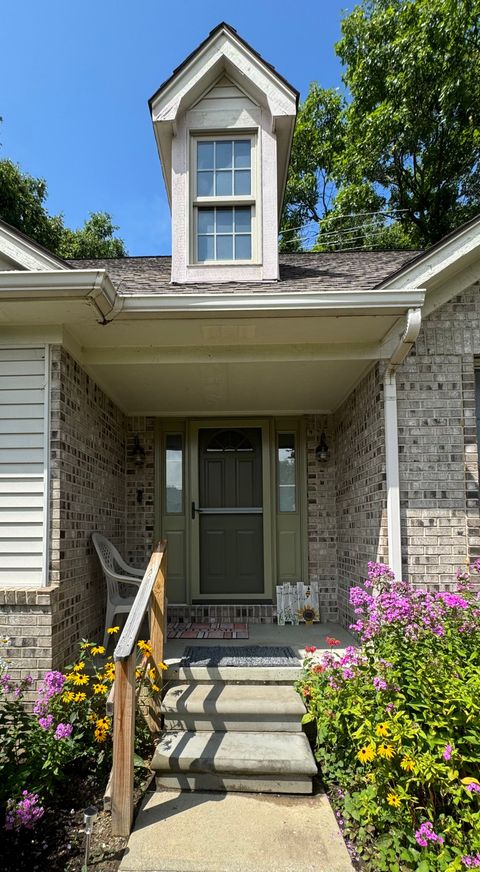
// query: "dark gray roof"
[[308, 271]]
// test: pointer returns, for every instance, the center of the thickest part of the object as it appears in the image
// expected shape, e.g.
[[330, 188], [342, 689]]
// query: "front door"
[[230, 511]]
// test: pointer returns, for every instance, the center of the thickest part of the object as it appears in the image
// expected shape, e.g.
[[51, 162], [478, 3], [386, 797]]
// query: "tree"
[[22, 204], [410, 147]]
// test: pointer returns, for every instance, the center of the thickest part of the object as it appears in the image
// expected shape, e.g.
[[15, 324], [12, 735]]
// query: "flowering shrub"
[[398, 728], [68, 725]]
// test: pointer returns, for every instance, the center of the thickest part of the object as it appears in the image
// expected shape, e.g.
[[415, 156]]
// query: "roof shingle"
[[305, 271]]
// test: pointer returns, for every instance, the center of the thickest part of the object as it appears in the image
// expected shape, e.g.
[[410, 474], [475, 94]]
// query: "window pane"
[[204, 184], [206, 220], [173, 473], [223, 155], [242, 182], [286, 472], [225, 220], [243, 219], [205, 156], [224, 184], [242, 153], [243, 248], [224, 247], [205, 248]]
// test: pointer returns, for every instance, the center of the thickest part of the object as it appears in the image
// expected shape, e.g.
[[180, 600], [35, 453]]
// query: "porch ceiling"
[[243, 365]]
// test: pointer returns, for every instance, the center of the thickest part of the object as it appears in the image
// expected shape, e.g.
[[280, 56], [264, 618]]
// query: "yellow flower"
[[109, 671], [99, 688], [385, 751], [408, 763], [68, 696], [100, 735], [382, 729], [78, 667], [138, 673], [162, 666], [155, 688], [80, 697], [85, 644], [98, 649], [80, 679], [103, 723], [366, 753], [145, 647], [92, 716], [112, 630], [69, 676], [152, 674], [393, 799]]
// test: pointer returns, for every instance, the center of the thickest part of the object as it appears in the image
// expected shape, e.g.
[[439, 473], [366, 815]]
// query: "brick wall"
[[438, 444], [140, 492], [321, 515], [360, 485]]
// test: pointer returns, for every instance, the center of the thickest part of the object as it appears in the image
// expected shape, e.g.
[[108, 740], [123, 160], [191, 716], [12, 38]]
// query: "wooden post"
[[123, 746], [157, 614]]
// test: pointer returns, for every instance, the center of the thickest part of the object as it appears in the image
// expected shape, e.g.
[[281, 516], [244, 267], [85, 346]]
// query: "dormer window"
[[223, 199]]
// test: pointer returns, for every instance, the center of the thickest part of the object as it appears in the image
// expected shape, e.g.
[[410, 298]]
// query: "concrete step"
[[225, 707], [235, 761]]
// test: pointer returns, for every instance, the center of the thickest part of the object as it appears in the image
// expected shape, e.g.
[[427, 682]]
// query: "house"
[[276, 418]]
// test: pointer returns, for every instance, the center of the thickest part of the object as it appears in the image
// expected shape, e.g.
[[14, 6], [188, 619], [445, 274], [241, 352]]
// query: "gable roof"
[[223, 25], [25, 253], [302, 271]]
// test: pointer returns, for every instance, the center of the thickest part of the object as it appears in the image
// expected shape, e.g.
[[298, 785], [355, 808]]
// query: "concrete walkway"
[[235, 832]]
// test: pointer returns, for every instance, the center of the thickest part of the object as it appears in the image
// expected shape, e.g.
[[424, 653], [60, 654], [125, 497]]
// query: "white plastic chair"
[[116, 573]]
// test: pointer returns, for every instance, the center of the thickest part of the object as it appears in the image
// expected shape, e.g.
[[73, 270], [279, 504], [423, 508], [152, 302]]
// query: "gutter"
[[91, 285], [394, 534], [344, 301]]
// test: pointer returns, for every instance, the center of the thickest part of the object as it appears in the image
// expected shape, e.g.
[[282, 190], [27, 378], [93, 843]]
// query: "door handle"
[[194, 509]]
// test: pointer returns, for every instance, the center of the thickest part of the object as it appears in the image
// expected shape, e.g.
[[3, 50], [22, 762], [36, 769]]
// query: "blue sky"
[[75, 79]]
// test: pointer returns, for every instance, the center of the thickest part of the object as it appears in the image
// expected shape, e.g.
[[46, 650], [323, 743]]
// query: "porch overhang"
[[216, 353]]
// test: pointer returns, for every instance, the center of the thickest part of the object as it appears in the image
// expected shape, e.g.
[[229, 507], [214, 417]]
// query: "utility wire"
[[341, 217]]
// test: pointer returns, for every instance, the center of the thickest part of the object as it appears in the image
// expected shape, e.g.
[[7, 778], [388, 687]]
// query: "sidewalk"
[[235, 832]]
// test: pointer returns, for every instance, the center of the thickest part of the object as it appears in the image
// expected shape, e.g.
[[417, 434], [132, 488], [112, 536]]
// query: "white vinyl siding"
[[23, 465]]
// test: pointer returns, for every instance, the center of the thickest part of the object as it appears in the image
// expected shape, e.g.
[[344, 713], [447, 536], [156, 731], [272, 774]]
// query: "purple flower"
[[379, 683], [473, 787], [63, 731], [471, 861], [447, 752], [425, 834], [24, 812], [46, 722]]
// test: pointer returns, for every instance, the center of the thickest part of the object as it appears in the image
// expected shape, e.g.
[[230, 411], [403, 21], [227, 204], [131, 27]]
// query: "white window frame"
[[252, 199]]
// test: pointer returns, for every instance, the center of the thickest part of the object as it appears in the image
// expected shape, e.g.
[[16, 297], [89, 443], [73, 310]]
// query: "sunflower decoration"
[[308, 614]]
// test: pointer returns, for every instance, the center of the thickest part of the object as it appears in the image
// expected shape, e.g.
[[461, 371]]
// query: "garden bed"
[[397, 724]]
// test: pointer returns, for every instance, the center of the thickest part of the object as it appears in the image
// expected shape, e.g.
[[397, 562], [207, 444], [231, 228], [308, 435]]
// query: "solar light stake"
[[89, 816]]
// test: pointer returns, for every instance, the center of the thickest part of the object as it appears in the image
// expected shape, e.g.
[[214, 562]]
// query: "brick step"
[[237, 761], [238, 707]]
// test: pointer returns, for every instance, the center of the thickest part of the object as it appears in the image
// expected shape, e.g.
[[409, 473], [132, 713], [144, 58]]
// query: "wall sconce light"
[[322, 451], [137, 452]]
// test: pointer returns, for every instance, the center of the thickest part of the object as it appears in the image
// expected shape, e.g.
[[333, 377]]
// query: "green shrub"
[[398, 729], [67, 727]]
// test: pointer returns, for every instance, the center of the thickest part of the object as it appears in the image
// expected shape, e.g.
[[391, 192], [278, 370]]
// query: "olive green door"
[[230, 511]]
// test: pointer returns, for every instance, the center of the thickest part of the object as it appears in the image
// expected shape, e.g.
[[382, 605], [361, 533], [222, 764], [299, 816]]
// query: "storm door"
[[230, 512]]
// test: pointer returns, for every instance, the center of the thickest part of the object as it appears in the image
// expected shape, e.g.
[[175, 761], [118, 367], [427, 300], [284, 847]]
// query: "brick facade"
[[438, 444], [321, 516], [360, 485]]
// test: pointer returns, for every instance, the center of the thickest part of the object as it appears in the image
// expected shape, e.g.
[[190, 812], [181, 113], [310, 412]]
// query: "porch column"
[[394, 531]]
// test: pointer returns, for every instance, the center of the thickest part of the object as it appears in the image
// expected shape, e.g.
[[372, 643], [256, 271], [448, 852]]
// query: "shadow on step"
[[178, 803]]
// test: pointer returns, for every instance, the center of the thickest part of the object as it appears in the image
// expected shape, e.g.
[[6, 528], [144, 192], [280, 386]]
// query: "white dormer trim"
[[20, 252], [224, 53]]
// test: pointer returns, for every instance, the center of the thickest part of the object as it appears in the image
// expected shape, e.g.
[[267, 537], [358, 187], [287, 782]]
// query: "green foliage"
[[398, 733], [22, 204], [410, 129], [67, 728]]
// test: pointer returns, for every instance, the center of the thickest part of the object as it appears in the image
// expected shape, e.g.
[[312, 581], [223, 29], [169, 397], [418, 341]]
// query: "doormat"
[[243, 655], [214, 630]]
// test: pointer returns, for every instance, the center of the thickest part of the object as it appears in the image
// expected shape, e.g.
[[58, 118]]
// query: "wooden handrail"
[[149, 599]]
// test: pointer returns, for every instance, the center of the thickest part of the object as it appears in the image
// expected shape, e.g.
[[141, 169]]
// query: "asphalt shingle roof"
[[306, 271]]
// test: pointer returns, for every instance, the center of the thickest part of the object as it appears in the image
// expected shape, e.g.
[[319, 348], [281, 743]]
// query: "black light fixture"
[[322, 451], [137, 452]]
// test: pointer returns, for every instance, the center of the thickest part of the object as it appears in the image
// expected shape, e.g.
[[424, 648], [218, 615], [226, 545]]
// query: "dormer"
[[223, 124]]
